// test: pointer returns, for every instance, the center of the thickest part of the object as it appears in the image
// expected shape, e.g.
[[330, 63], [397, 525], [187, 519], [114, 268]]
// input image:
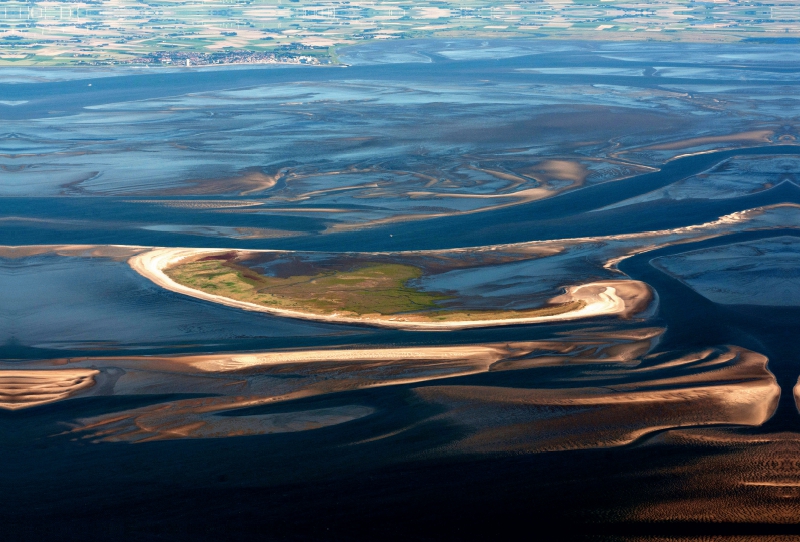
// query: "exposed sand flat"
[[279, 376], [199, 204], [755, 136], [197, 418], [245, 183], [732, 386], [481, 356], [606, 298], [27, 388], [273, 378], [98, 251]]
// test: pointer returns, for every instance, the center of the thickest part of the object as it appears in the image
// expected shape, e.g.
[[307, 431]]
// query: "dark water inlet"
[[694, 322]]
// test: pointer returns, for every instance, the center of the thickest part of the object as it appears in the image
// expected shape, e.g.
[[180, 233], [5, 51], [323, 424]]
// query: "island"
[[376, 294]]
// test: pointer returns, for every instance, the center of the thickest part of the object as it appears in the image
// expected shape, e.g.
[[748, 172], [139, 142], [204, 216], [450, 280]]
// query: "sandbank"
[[26, 388]]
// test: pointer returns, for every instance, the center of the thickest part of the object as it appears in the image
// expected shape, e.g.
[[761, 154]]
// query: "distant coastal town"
[[193, 58], [201, 32]]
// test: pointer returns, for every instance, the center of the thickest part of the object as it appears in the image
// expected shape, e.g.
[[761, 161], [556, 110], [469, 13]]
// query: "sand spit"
[[198, 204], [117, 252], [479, 356], [606, 298], [26, 388], [729, 385], [752, 137]]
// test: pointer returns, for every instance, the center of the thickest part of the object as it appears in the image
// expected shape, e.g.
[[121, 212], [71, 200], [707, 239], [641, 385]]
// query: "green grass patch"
[[373, 289], [377, 289]]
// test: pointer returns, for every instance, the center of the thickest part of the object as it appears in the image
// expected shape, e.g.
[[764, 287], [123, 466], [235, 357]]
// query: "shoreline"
[[605, 298]]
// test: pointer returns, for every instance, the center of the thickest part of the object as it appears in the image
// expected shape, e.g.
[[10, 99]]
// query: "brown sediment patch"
[[199, 204], [115, 252], [26, 388], [723, 386], [247, 182], [200, 418], [753, 136], [547, 171]]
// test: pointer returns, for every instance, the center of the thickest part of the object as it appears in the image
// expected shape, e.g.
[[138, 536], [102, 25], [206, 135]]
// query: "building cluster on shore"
[[194, 58]]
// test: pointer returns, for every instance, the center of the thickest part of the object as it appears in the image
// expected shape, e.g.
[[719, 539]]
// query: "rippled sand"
[[717, 386], [27, 388], [272, 378], [199, 418]]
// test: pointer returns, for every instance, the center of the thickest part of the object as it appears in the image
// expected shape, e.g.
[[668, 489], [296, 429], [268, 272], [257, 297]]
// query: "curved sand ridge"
[[27, 388], [796, 394], [604, 298], [724, 385], [480, 356]]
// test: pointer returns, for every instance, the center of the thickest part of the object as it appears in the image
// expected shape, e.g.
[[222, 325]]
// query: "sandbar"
[[26, 388]]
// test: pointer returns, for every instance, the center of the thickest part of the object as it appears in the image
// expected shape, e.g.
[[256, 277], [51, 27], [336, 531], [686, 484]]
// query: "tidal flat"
[[426, 295]]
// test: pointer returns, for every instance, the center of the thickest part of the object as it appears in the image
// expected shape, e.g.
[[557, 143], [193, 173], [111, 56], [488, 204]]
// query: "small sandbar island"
[[378, 293]]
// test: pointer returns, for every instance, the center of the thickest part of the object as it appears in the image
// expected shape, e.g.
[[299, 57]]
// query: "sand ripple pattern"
[[27, 388], [728, 385], [200, 418]]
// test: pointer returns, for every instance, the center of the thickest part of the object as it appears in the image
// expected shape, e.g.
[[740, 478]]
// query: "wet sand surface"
[[657, 188], [23, 389]]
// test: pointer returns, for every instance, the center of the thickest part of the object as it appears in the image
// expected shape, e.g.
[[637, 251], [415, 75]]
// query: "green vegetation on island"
[[375, 290], [378, 288]]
